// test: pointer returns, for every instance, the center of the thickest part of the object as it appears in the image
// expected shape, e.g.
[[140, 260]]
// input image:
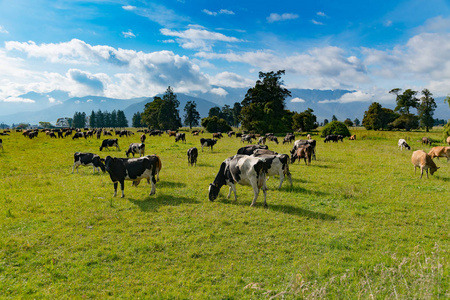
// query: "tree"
[[236, 111], [192, 116], [357, 122], [406, 100], [263, 107], [92, 120], [426, 110], [325, 122], [151, 113], [169, 117], [348, 122], [121, 119], [215, 111], [335, 127], [378, 117], [406, 121], [45, 124], [305, 121], [99, 119], [214, 124], [136, 120], [114, 119], [79, 120], [333, 118], [447, 100]]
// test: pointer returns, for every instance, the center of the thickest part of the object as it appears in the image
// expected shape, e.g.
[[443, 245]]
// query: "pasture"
[[357, 223]]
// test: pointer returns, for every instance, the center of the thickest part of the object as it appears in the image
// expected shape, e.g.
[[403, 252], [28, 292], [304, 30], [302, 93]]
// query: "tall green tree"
[[150, 116], [263, 107], [426, 109], [378, 117], [406, 100], [215, 111], [136, 120], [333, 118], [237, 107], [305, 121], [169, 116], [121, 119], [356, 122], [100, 119], [114, 119], [192, 116], [93, 120], [79, 120]]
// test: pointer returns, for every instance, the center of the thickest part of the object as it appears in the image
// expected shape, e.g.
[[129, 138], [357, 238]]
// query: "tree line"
[[99, 119]]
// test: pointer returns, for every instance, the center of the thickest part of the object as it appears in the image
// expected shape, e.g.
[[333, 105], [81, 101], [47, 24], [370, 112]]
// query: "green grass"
[[356, 224]]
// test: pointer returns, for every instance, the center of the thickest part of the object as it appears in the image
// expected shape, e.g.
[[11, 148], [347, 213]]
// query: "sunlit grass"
[[356, 224]]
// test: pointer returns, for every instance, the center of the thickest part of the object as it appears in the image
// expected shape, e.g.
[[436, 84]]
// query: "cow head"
[[433, 169], [213, 191], [109, 161]]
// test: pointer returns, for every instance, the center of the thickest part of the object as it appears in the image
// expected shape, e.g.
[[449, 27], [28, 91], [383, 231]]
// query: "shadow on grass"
[[301, 190], [446, 179], [153, 203], [170, 184]]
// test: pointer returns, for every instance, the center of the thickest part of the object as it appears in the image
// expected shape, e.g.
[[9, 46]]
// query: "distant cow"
[[1, 144], [248, 150], [298, 143], [110, 143], [192, 154], [352, 138], [273, 138], [88, 159], [180, 137], [420, 159], [426, 140], [217, 135], [171, 133], [231, 133], [448, 140], [143, 137], [331, 138], [247, 138], [276, 164], [135, 148], [242, 169], [440, 152], [288, 138], [135, 169], [207, 143], [402, 143], [303, 151], [78, 135], [262, 140]]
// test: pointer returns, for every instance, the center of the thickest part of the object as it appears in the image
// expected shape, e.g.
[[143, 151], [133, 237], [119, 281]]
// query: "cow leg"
[[153, 190], [122, 187], [232, 188], [115, 189], [281, 179]]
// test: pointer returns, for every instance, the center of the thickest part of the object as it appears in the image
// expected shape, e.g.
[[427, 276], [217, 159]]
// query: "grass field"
[[357, 224]]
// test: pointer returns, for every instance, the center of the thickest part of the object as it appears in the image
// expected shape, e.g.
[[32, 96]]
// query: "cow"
[[171, 133], [1, 144], [420, 159], [331, 137], [276, 164], [143, 137], [110, 143], [426, 140], [248, 150], [231, 133], [288, 138], [262, 140], [273, 138], [180, 137], [247, 138], [158, 169], [217, 135], [192, 154], [298, 143], [259, 152], [78, 135], [402, 143], [440, 152], [88, 159], [352, 138], [242, 169], [448, 140], [134, 169], [135, 148], [303, 151], [207, 143]]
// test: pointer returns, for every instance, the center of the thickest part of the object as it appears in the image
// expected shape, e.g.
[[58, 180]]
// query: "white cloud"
[[129, 7], [321, 14], [3, 30], [219, 91], [297, 100], [18, 100], [316, 22], [158, 13], [274, 17], [220, 12], [228, 79], [128, 34]]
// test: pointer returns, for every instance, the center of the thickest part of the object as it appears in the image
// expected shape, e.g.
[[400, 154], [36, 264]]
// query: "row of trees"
[[378, 117], [99, 119]]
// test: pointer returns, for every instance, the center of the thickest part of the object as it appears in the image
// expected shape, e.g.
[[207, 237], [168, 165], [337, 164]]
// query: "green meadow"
[[356, 224]]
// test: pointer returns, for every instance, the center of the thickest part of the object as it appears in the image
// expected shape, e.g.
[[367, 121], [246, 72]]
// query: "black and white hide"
[[136, 148], [88, 159], [134, 169], [402, 143], [110, 143], [208, 143], [276, 164], [242, 169], [192, 154], [248, 150], [180, 137], [299, 143]]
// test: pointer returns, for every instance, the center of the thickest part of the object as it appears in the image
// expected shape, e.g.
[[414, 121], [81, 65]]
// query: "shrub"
[[446, 131], [335, 127]]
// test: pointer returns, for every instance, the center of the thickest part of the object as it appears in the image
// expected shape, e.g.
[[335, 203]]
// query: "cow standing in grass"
[[180, 137], [135, 148], [420, 159], [440, 152], [110, 143], [88, 159], [192, 154], [207, 143], [402, 143], [242, 169]]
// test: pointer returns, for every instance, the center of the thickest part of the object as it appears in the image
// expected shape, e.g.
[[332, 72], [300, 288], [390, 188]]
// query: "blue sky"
[[126, 49]]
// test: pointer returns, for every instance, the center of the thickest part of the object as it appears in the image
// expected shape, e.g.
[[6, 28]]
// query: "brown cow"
[[440, 152], [353, 137], [426, 140], [448, 140], [303, 151], [171, 133], [420, 159]]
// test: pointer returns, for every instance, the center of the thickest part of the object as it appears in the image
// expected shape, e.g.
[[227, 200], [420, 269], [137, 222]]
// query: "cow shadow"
[[446, 179], [154, 202], [170, 184], [302, 190]]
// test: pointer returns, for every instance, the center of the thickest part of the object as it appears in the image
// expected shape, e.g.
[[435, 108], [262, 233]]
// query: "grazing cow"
[[207, 143], [1, 144], [136, 148], [239, 135], [180, 137], [192, 154], [143, 137], [248, 150], [88, 159], [247, 138], [171, 133], [242, 169], [262, 140], [288, 138], [195, 132], [52, 135], [440, 152], [303, 151], [420, 159], [78, 135], [273, 138], [308, 136], [217, 135], [352, 138], [402, 143], [331, 137], [259, 152], [230, 133], [448, 140], [110, 143], [426, 140], [298, 143], [276, 164], [134, 169]]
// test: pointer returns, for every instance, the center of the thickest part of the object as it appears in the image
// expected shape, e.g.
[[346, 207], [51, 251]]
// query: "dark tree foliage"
[[263, 107], [151, 113], [79, 120], [92, 120], [325, 122], [357, 122], [333, 118], [406, 121], [136, 120], [335, 127], [304, 121], [236, 111], [348, 122], [406, 100], [163, 113], [214, 124], [215, 111], [114, 118], [378, 118], [426, 110], [192, 116]]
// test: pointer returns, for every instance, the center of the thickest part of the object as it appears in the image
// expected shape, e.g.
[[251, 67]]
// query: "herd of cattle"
[[251, 165]]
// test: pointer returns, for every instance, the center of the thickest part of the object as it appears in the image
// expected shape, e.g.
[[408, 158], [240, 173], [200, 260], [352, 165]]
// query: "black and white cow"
[[277, 164], [136, 148], [88, 159], [1, 144], [248, 150], [134, 169], [298, 143], [402, 143], [110, 143], [78, 135], [242, 169], [207, 143], [180, 137], [192, 154]]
